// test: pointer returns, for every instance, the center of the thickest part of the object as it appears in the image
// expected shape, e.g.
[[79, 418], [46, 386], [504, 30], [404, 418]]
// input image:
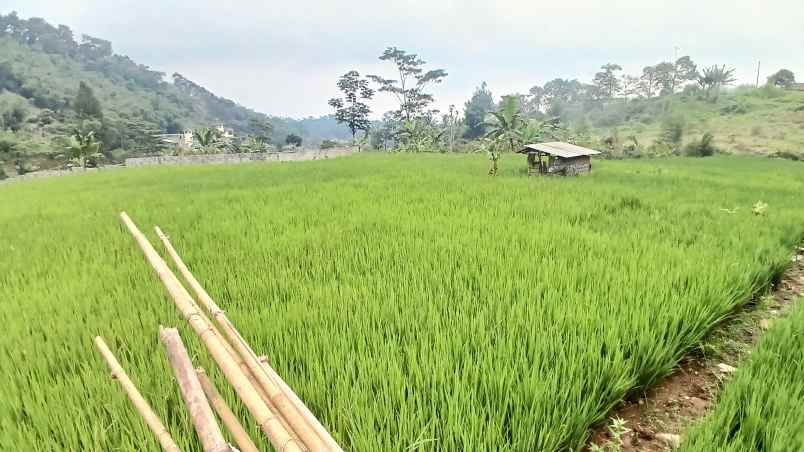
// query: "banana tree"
[[83, 147], [207, 140], [418, 136], [506, 124]]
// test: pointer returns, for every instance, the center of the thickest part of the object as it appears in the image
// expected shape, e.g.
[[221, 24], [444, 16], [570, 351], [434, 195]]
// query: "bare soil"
[[657, 419]]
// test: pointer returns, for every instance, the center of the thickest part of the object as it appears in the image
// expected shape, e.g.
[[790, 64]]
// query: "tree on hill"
[[607, 82], [475, 111], [13, 117], [86, 105], [264, 129], [409, 88], [351, 110], [293, 140], [784, 78], [649, 81], [685, 70], [714, 78]]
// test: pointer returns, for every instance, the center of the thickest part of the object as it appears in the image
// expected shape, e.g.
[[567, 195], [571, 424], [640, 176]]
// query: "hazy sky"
[[283, 57]]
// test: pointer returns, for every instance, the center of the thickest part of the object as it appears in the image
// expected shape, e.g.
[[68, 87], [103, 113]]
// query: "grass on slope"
[[411, 300], [743, 120], [762, 407]]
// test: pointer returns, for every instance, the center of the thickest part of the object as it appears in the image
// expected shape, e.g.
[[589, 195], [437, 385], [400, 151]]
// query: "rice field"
[[762, 407], [413, 302]]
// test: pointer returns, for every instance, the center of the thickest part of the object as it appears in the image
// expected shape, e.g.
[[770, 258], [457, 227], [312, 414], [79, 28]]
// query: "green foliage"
[[607, 82], [351, 110], [784, 78], [85, 104], [519, 313], [616, 430], [703, 147], [476, 110], [41, 64], [762, 406], [293, 140], [714, 78], [418, 135], [409, 88], [506, 124], [328, 144], [673, 130], [83, 148]]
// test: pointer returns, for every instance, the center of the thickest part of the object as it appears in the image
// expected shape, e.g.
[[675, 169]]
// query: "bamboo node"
[[293, 441]]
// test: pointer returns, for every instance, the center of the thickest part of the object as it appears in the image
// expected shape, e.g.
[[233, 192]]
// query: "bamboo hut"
[[558, 158]]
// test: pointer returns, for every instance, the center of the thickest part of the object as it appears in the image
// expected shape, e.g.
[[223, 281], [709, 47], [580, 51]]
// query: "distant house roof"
[[558, 149]]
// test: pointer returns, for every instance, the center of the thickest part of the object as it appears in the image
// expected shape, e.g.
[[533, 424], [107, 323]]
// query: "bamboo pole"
[[319, 428], [266, 418], [303, 424], [141, 405], [201, 413], [228, 418], [244, 368]]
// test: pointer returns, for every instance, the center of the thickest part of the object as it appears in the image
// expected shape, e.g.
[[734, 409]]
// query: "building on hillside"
[[224, 132], [558, 158], [181, 140]]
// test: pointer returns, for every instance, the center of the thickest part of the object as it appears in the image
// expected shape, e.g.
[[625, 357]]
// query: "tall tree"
[[631, 86], [475, 111], [685, 71], [409, 87], [714, 78], [648, 81], [784, 78], [607, 82], [664, 73], [86, 105], [561, 91], [533, 103], [351, 110]]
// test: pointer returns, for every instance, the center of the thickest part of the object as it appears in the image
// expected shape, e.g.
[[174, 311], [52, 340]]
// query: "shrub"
[[673, 130], [787, 155], [702, 148], [328, 144]]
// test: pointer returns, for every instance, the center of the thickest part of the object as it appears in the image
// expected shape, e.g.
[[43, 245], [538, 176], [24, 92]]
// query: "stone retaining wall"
[[199, 159]]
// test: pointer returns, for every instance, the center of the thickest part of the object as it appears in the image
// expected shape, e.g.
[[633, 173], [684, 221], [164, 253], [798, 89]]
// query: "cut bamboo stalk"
[[244, 368], [319, 428], [302, 425], [141, 405], [266, 418], [226, 415], [201, 413]]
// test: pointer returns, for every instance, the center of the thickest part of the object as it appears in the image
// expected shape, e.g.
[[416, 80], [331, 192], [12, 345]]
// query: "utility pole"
[[759, 64]]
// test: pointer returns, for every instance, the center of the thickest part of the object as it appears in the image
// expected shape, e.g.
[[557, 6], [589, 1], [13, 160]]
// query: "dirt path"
[[656, 420]]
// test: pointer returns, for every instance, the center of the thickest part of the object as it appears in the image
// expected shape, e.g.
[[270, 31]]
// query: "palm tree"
[[714, 77], [507, 123], [206, 139], [83, 146]]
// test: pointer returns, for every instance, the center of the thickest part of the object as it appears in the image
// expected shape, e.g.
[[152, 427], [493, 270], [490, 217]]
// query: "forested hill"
[[42, 65]]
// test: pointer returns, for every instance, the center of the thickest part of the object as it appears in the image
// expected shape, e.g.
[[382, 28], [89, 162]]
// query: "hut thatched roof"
[[558, 149]]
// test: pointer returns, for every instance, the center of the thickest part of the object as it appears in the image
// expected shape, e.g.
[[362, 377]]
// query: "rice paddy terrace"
[[411, 301]]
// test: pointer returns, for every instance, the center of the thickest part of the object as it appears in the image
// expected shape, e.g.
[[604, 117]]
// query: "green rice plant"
[[411, 302], [762, 407]]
